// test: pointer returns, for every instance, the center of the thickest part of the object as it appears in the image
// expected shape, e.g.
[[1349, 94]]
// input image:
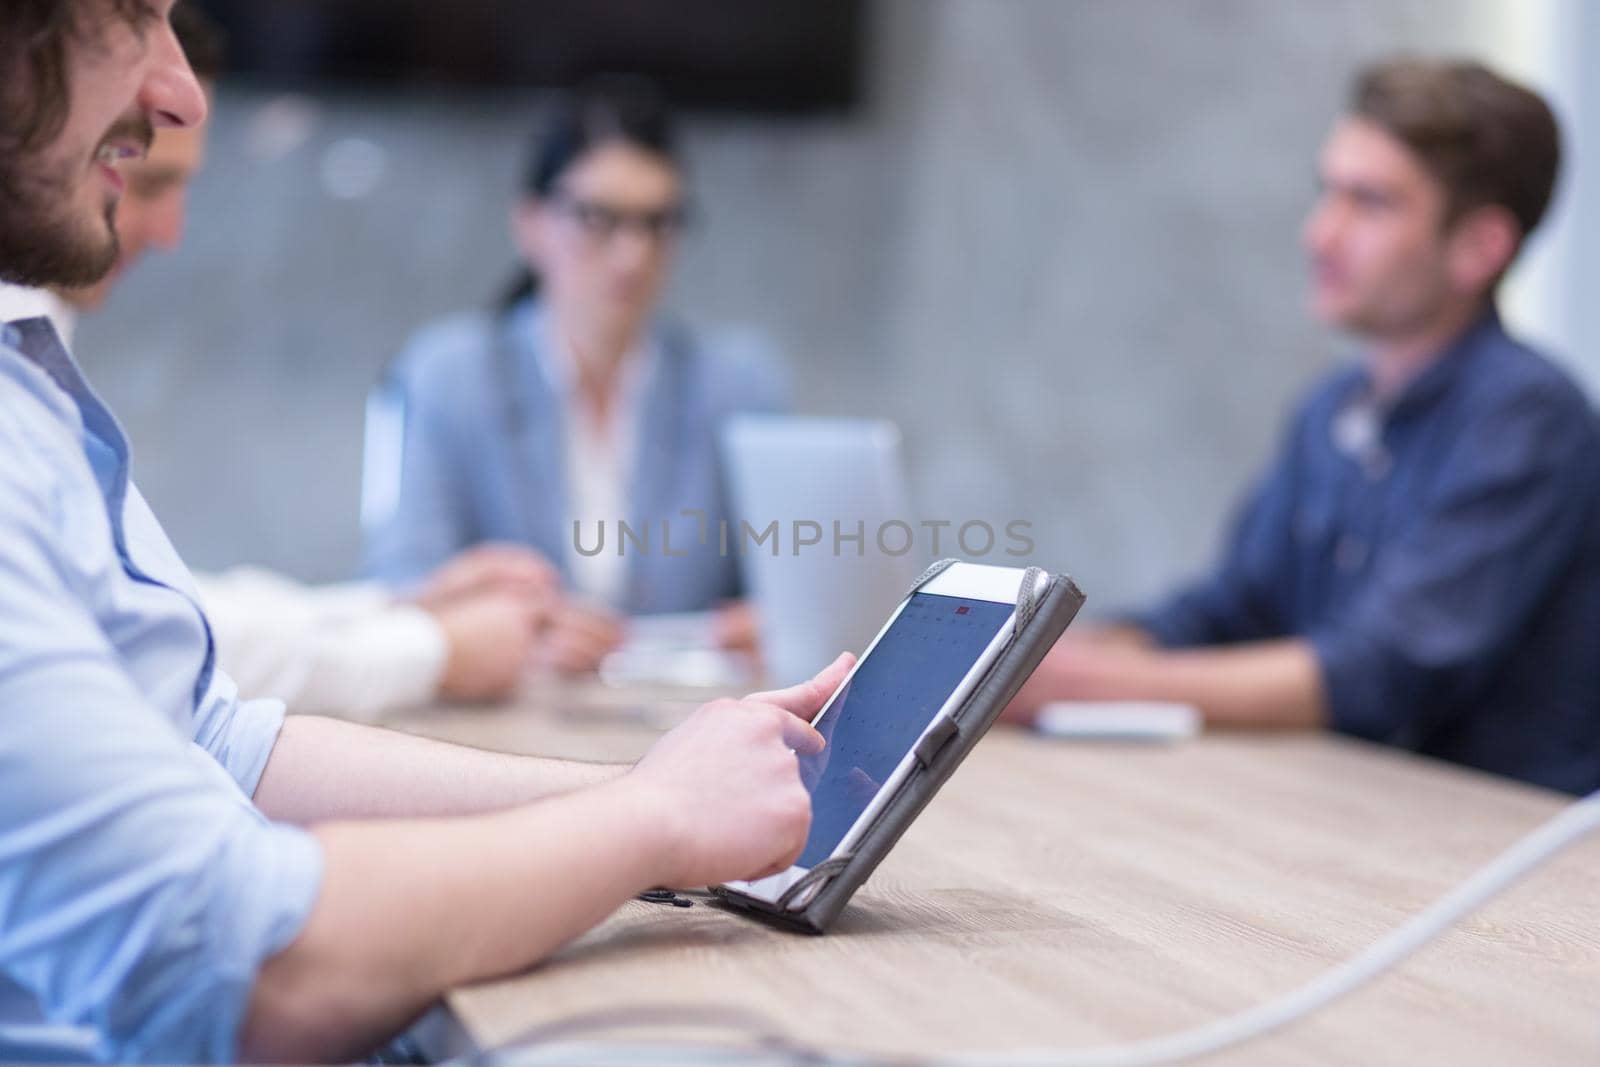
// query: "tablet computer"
[[915, 675]]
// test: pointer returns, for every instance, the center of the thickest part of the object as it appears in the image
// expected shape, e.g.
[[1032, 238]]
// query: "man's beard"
[[43, 242]]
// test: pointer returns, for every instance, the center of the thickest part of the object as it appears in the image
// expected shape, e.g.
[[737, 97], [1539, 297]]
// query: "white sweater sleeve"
[[342, 649]]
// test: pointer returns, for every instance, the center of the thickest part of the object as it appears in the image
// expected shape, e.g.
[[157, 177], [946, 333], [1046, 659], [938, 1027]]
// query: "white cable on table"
[[1533, 851]]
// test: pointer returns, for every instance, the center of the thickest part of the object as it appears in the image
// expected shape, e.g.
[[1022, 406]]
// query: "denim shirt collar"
[[1435, 380]]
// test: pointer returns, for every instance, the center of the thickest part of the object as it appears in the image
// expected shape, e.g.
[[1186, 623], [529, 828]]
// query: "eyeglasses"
[[602, 222]]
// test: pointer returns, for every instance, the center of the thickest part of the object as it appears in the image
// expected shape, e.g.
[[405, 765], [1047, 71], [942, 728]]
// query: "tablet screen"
[[879, 714]]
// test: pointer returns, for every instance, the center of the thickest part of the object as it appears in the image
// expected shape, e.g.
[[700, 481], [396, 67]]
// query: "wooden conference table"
[[1067, 894]]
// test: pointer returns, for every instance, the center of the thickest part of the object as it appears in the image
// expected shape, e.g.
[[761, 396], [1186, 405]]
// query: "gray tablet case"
[[1040, 620]]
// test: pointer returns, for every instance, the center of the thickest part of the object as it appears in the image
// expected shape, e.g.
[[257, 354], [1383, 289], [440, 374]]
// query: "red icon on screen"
[[963, 610]]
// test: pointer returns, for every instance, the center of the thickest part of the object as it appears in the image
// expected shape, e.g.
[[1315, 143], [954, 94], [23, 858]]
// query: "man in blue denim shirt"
[[186, 877], [1421, 564]]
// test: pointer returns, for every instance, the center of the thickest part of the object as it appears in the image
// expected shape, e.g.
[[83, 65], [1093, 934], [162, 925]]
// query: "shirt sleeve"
[[1458, 585], [385, 661], [140, 892], [365, 667], [1239, 599], [347, 650], [255, 590]]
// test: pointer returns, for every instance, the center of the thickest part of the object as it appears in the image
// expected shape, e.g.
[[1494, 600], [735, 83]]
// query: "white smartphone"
[[920, 668]]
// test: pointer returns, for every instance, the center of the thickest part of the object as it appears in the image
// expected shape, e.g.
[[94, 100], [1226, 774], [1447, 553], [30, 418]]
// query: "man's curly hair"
[[36, 42]]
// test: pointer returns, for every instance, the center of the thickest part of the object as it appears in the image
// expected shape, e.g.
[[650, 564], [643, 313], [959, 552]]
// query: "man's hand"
[[726, 784], [489, 601], [576, 637], [490, 638], [1072, 670], [736, 628], [510, 570]]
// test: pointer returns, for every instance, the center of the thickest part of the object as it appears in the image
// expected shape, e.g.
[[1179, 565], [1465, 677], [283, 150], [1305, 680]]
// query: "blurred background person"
[[1080, 315], [1420, 565], [464, 633], [573, 404]]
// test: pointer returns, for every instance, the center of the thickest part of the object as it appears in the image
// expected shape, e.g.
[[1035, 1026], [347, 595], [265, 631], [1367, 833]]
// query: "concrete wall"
[[1058, 244]]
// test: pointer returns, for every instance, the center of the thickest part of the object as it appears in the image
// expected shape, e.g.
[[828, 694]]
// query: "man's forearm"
[[1121, 635], [1263, 684], [412, 908], [409, 908], [323, 770]]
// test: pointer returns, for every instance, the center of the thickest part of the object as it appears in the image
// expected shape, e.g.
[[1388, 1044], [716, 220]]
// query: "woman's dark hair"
[[604, 110]]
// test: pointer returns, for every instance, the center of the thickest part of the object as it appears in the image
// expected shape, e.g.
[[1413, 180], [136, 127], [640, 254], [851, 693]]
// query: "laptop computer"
[[823, 579]]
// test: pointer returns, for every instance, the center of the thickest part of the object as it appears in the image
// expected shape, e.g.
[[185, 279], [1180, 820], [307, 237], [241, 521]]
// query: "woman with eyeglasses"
[[572, 417]]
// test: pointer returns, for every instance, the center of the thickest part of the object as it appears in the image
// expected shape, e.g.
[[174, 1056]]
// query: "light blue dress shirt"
[[140, 890]]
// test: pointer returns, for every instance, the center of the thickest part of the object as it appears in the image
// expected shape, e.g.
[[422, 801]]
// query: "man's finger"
[[807, 698], [577, 617], [802, 737]]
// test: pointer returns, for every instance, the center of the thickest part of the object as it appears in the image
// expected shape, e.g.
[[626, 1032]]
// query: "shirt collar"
[[638, 365], [20, 302], [39, 342], [1435, 380]]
